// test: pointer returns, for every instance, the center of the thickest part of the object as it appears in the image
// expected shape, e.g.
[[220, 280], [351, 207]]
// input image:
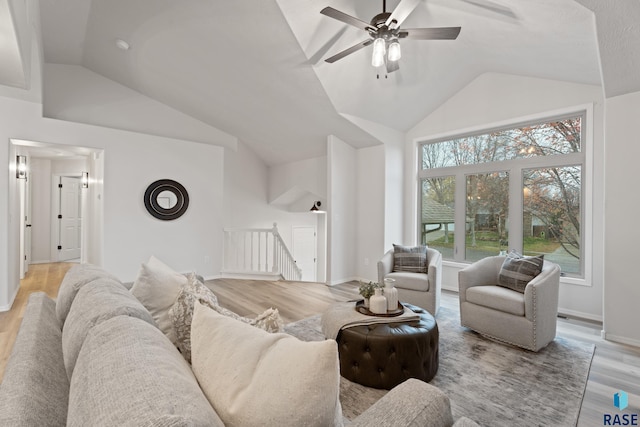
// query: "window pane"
[[437, 229], [552, 215], [543, 139], [487, 215]]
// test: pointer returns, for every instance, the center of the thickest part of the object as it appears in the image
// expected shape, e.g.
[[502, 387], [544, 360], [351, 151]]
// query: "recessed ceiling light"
[[122, 44]]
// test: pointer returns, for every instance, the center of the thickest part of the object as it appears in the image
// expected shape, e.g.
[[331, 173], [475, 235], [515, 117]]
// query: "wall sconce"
[[315, 207], [21, 167], [85, 180]]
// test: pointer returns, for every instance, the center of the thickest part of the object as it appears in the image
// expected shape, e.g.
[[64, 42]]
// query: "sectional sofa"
[[96, 356]]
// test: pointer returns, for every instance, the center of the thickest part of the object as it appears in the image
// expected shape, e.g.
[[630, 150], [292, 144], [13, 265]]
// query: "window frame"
[[515, 168]]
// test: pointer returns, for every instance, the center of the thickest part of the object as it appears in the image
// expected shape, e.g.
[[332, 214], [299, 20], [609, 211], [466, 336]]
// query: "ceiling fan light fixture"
[[394, 50], [379, 50]]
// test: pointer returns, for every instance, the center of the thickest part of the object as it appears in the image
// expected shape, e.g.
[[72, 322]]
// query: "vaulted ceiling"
[[255, 68]]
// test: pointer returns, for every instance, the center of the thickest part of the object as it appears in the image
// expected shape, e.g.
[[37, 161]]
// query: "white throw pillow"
[[254, 378], [157, 287]]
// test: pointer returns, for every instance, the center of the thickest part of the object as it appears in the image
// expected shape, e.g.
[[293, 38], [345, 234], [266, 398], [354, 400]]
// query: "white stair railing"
[[258, 252]]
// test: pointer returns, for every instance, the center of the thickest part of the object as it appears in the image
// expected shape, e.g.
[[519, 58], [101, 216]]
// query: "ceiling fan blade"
[[404, 9], [347, 19], [392, 66], [349, 51], [442, 33]]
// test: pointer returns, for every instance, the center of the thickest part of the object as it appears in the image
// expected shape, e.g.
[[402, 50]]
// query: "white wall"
[[621, 290], [342, 206], [131, 162], [494, 99], [394, 204], [246, 189], [370, 206], [305, 176], [40, 179]]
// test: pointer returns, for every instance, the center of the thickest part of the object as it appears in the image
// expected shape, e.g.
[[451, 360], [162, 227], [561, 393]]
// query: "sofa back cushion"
[[77, 276], [254, 378], [129, 374], [35, 388], [95, 303]]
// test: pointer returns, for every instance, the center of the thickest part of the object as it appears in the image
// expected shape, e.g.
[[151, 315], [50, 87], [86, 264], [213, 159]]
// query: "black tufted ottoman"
[[384, 355]]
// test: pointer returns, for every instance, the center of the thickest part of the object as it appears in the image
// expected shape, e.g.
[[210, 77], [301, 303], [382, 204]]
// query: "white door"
[[27, 225], [69, 219], [22, 196], [304, 251]]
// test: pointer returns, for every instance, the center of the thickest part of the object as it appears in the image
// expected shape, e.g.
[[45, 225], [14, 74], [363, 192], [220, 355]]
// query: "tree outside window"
[[543, 159]]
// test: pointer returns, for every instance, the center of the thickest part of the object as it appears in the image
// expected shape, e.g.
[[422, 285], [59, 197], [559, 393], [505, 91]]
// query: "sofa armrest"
[[481, 273], [35, 387], [541, 294], [434, 272], [412, 403], [385, 265]]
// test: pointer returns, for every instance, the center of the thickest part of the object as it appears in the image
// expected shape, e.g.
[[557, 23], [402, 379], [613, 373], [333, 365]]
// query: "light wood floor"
[[615, 366]]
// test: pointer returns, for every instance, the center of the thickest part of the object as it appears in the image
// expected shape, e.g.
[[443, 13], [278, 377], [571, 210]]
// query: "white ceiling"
[[11, 66], [255, 68]]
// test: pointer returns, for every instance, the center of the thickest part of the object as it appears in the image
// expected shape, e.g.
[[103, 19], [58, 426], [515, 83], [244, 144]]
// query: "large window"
[[517, 188]]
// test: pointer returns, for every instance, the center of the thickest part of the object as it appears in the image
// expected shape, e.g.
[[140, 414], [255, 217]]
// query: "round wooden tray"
[[360, 308]]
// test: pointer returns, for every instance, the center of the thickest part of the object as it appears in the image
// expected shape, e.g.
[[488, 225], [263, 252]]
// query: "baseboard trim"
[[345, 280], [7, 307], [621, 340], [579, 315], [250, 276]]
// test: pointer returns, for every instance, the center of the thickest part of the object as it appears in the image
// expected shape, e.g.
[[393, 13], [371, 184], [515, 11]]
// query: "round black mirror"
[[166, 199]]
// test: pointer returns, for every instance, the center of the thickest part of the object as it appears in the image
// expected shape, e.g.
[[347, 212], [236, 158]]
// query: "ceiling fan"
[[385, 32]]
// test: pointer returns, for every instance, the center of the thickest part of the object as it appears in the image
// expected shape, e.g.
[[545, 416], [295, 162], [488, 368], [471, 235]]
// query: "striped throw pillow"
[[517, 271], [412, 259]]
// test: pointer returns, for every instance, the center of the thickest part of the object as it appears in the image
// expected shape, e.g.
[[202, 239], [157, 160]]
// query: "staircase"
[[258, 253]]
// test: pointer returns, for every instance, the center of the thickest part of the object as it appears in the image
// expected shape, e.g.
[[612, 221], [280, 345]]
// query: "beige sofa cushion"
[[129, 374], [157, 287], [254, 378], [77, 276], [411, 281], [35, 388], [95, 303], [497, 298]]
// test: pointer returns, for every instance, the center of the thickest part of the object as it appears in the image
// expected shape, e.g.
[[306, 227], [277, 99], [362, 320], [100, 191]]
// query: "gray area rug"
[[492, 383]]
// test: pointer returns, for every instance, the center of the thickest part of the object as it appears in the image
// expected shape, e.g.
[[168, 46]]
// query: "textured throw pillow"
[[269, 320], [517, 271], [253, 378], [157, 287], [412, 259], [181, 313]]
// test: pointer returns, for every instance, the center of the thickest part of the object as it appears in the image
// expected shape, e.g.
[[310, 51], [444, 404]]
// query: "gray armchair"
[[526, 320], [421, 289]]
